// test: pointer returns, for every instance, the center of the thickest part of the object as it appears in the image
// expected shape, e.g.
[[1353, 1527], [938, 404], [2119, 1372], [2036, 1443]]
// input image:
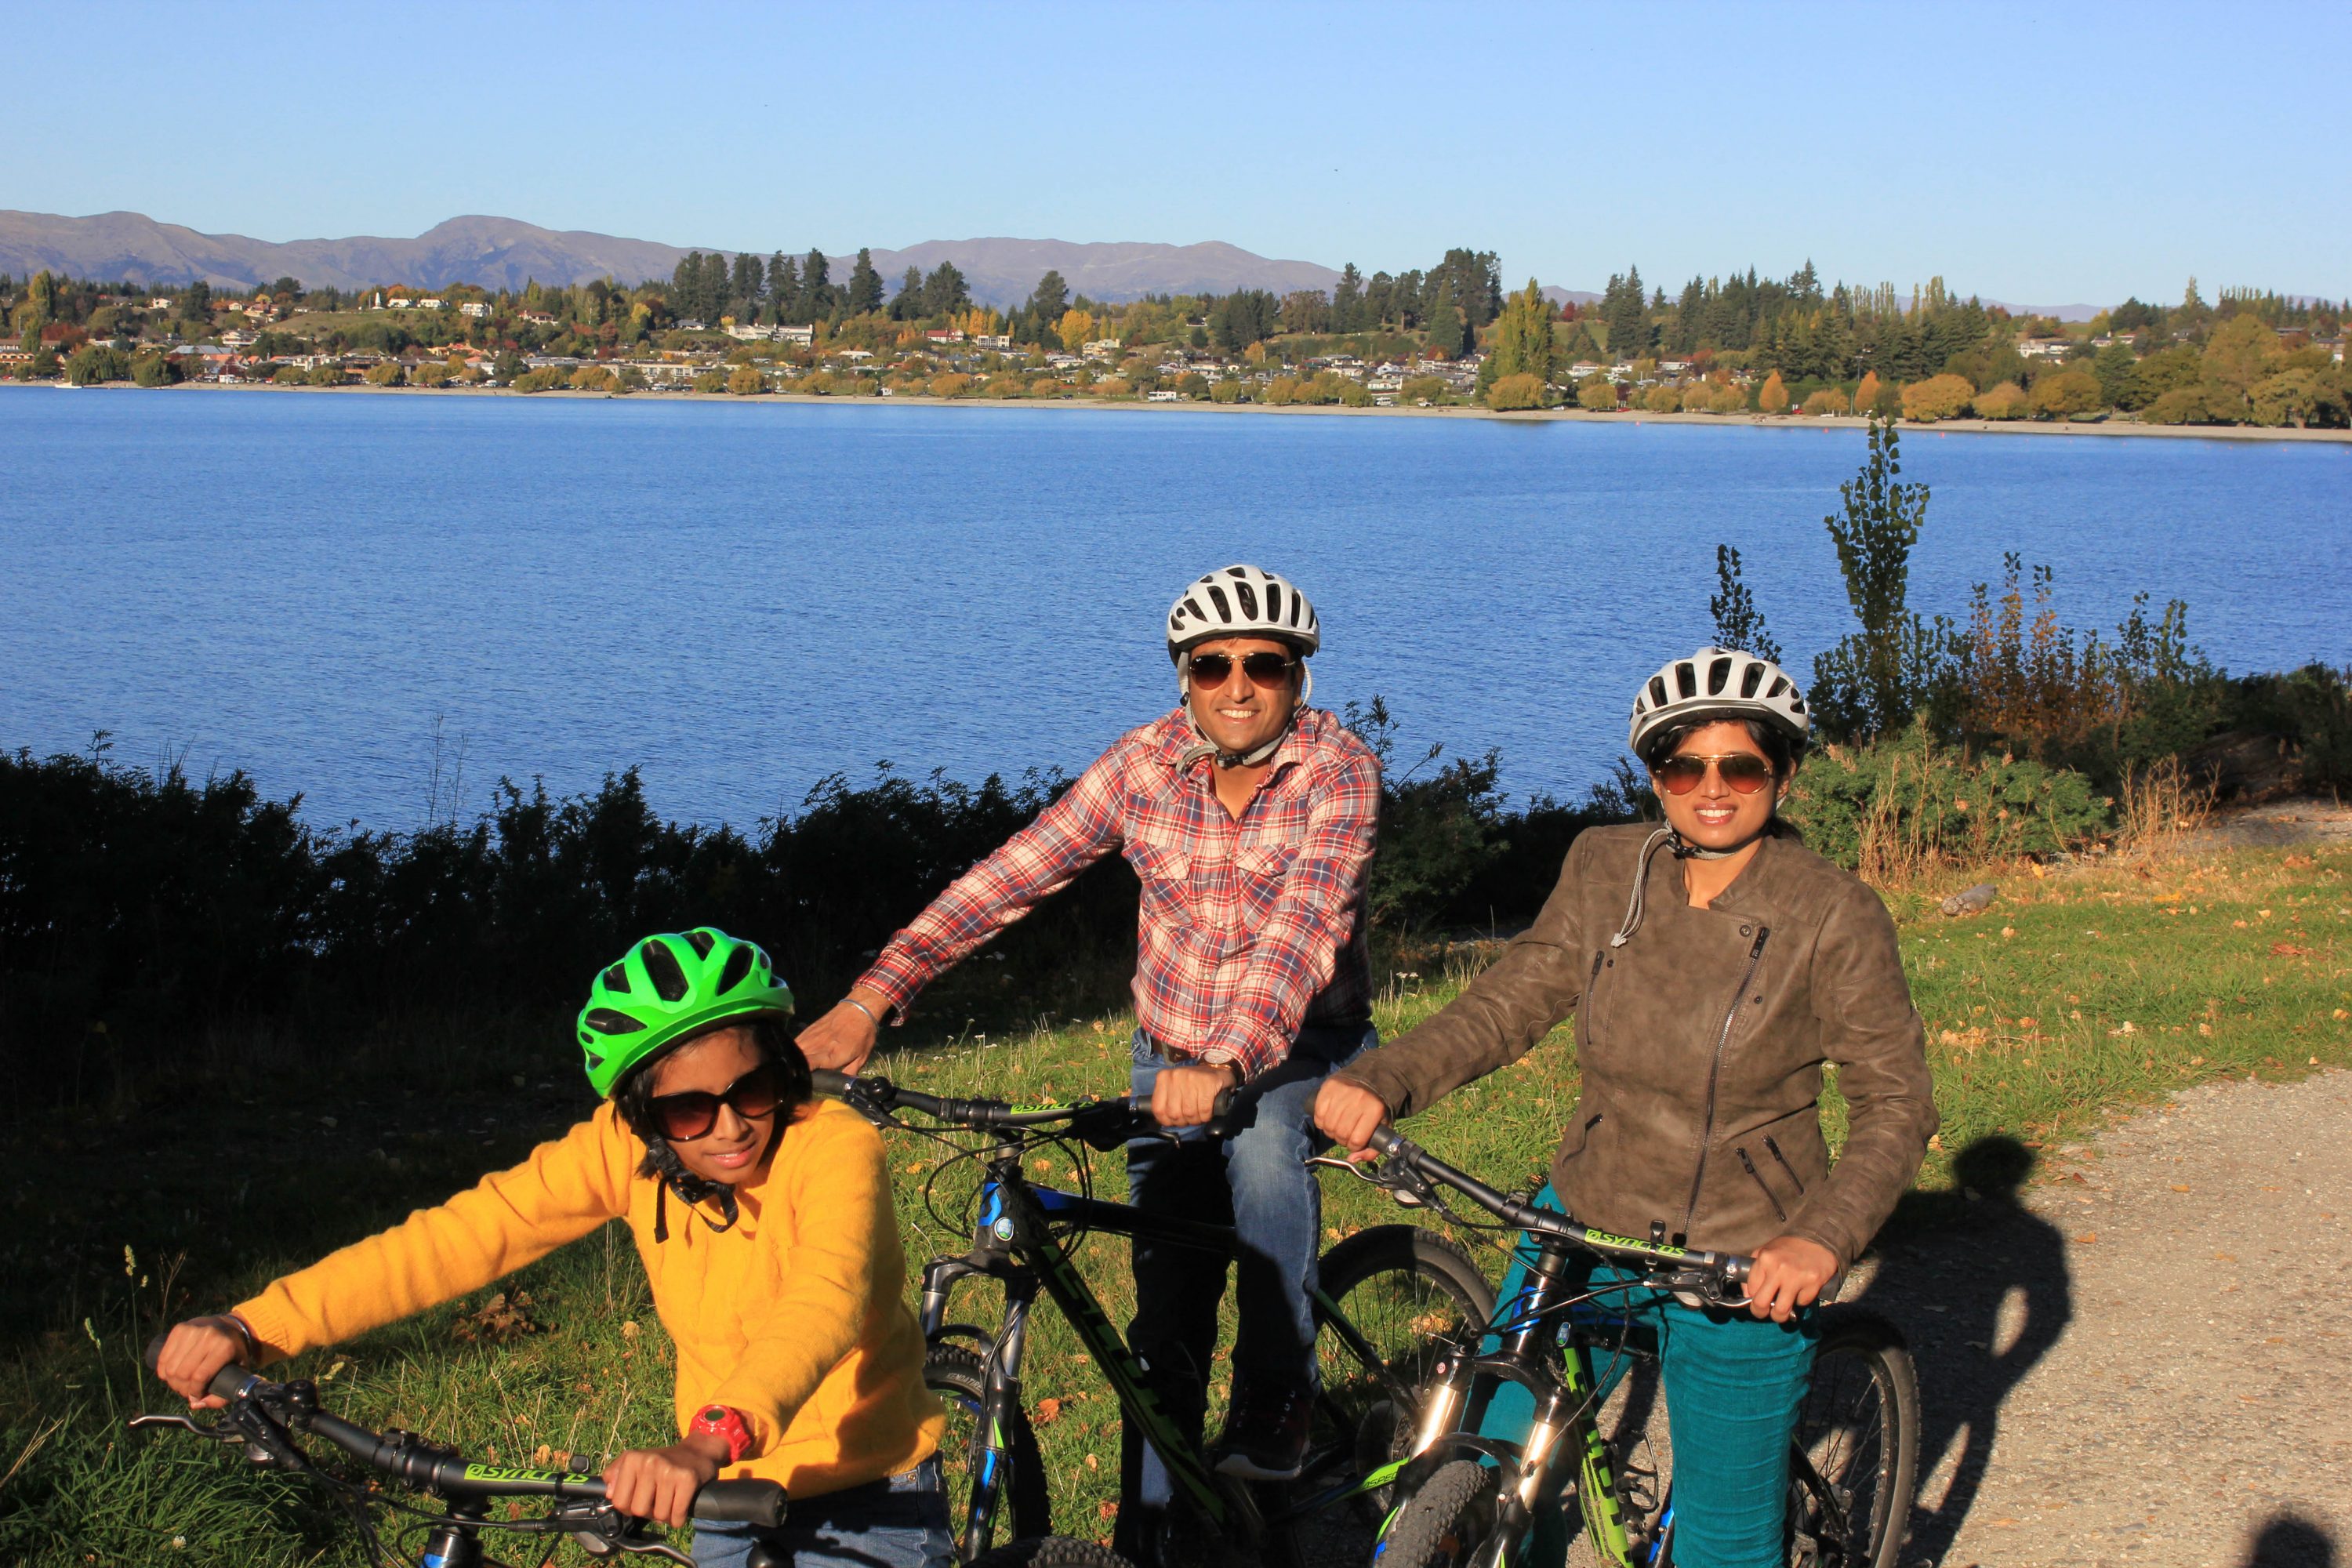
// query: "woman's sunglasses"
[[1743, 770], [1262, 669], [683, 1117]]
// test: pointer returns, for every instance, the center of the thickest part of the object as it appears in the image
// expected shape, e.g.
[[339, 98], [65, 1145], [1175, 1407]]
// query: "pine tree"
[[783, 290], [816, 287], [746, 288], [1050, 298], [1447, 330], [908, 303], [865, 285], [1348, 301]]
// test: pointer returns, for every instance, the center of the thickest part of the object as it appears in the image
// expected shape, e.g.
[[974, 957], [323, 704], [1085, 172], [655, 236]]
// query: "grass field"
[[2074, 996]]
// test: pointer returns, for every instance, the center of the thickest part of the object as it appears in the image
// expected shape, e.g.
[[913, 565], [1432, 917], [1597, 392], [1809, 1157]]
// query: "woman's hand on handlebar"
[[1187, 1096], [845, 1037], [194, 1353], [1348, 1114], [1791, 1272], [660, 1484]]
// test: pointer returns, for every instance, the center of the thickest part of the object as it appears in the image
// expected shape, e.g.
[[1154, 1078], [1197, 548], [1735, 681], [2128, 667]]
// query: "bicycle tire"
[[1410, 1293], [958, 1376], [1445, 1520], [1858, 1431], [1050, 1552]]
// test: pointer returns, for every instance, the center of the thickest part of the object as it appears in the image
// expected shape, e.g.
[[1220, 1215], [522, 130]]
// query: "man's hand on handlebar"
[[844, 1038], [1187, 1096], [660, 1484], [1789, 1273], [194, 1353], [1348, 1114]]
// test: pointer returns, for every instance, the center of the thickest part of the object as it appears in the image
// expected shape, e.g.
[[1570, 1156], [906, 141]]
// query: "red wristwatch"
[[719, 1421]]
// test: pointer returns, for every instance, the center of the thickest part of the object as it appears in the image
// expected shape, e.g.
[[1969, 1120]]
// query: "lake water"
[[742, 598]]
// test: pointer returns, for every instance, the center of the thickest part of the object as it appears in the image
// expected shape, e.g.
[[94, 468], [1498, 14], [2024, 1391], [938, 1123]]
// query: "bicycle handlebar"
[[1399, 1151], [879, 1093], [447, 1473]]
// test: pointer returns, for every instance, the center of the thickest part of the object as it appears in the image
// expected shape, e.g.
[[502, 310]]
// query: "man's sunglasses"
[[1743, 770], [1262, 669], [683, 1117]]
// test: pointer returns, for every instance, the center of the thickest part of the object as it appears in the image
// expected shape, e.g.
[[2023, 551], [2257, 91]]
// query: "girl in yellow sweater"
[[765, 1223]]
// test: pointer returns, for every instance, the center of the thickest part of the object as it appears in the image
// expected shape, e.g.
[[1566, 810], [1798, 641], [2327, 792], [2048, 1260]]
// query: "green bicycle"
[[1474, 1501]]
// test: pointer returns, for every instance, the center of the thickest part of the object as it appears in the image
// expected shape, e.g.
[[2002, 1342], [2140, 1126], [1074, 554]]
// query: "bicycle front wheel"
[[1407, 1293], [1021, 1510], [1856, 1449]]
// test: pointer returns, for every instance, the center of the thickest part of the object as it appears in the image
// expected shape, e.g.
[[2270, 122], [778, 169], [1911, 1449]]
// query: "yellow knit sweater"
[[794, 1317]]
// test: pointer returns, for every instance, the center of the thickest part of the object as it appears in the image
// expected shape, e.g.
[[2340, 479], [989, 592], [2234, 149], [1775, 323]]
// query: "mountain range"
[[506, 253]]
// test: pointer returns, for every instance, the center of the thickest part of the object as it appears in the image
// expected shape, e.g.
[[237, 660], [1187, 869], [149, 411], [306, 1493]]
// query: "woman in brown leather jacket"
[[1715, 966]]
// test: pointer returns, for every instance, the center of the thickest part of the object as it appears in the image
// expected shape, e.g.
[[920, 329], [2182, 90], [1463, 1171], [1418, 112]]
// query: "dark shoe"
[[1265, 1431]]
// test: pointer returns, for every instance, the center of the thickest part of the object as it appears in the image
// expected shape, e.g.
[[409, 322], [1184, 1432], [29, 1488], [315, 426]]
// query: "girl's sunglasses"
[[1262, 669], [683, 1117], [1743, 770]]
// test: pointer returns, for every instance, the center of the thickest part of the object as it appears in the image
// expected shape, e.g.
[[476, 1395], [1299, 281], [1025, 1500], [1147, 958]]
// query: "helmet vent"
[[661, 964], [611, 1021], [700, 942], [1274, 601], [1685, 679], [1718, 673], [1247, 596], [1224, 607], [1779, 684], [739, 964], [617, 978], [1749, 682], [1658, 690]]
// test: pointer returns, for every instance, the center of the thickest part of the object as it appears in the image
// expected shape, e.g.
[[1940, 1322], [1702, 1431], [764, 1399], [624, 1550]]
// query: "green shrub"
[[326, 375], [289, 375], [1429, 389], [710, 381], [545, 379], [388, 374], [1227, 392], [94, 363], [1914, 800], [2007, 401], [1597, 395], [153, 370]]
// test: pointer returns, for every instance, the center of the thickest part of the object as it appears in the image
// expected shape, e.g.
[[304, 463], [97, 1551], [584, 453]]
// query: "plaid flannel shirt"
[[1249, 930]]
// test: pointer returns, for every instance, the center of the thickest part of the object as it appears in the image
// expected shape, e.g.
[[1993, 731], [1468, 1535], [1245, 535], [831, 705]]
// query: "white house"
[[1101, 348], [1164, 395], [477, 308], [803, 336]]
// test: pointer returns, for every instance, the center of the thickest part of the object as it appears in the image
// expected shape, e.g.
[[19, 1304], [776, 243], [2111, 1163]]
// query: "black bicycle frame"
[[1014, 1244]]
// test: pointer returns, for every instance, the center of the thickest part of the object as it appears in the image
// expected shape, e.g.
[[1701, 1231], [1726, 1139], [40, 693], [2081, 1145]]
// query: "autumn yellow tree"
[[1938, 397], [1074, 328], [1774, 397], [1865, 397], [1522, 343]]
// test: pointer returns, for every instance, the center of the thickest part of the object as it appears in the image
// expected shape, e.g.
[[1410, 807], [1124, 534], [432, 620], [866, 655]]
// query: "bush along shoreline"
[[147, 917]]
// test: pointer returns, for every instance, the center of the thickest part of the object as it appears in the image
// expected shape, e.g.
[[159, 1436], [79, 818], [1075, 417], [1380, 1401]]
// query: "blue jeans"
[[1733, 1386], [1258, 1180], [900, 1522]]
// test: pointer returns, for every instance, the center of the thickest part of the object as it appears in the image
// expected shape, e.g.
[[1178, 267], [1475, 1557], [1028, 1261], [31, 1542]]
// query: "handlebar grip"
[[825, 1082], [754, 1502], [226, 1384], [1383, 1139]]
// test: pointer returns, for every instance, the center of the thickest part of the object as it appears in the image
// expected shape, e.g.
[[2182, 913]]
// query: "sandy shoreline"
[[1525, 417]]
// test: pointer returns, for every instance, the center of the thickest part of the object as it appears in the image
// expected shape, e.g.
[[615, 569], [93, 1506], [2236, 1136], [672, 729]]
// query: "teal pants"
[[1733, 1386]]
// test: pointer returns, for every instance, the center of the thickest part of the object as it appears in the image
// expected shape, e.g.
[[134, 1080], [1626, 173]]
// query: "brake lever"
[[218, 1431]]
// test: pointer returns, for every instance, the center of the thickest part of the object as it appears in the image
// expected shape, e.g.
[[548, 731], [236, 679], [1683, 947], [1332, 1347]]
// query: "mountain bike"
[[1388, 1296], [264, 1420], [1598, 1439]]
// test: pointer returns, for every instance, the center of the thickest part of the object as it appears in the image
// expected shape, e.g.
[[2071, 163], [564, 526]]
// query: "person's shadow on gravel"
[[2291, 1540], [1953, 1260]]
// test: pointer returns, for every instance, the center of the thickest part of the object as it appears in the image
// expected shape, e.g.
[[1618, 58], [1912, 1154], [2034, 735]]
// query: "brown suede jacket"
[[1702, 1037]]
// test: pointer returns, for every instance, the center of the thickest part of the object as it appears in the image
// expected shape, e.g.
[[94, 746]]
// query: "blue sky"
[[2039, 154]]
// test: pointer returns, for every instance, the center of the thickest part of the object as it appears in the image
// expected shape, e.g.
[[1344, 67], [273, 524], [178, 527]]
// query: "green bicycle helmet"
[[666, 987]]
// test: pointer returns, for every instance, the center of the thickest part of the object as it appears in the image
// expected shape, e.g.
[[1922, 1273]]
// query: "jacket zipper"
[[1758, 1177], [1715, 1073], [1774, 1149]]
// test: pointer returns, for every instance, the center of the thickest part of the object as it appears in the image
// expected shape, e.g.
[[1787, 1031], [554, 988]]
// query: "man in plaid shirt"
[[1249, 818]]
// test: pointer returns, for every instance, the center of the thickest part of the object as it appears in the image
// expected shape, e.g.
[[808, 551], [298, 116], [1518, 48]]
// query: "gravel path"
[[2147, 1361]]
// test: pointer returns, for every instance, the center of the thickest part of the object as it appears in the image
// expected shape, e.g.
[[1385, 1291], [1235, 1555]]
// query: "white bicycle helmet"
[[1241, 601], [1718, 683]]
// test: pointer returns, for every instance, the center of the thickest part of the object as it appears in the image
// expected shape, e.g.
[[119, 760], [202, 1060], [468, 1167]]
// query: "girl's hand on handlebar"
[[1348, 1114], [660, 1484], [1789, 1273], [194, 1352]]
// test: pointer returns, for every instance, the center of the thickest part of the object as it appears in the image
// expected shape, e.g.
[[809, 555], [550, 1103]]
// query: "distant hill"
[[505, 253]]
